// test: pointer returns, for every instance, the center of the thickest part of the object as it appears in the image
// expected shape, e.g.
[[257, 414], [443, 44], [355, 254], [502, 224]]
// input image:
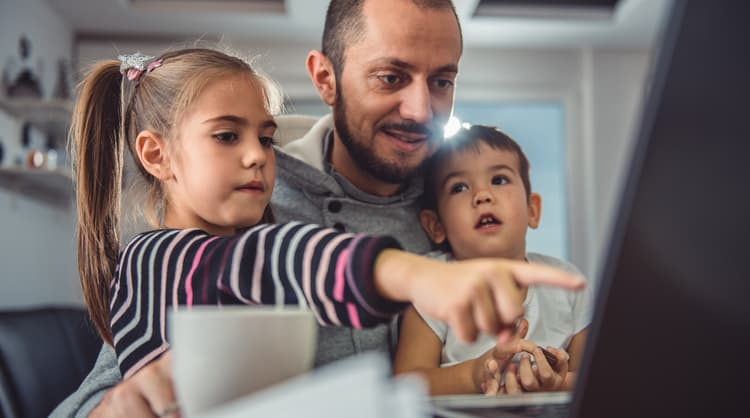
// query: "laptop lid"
[[671, 329]]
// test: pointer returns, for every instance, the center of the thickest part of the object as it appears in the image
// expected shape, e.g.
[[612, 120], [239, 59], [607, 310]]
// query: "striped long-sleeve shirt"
[[330, 272]]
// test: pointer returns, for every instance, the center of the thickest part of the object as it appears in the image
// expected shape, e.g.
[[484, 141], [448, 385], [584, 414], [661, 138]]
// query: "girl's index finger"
[[526, 274]]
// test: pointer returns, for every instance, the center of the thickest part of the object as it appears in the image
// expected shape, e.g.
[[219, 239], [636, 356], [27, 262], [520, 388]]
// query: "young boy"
[[478, 203]]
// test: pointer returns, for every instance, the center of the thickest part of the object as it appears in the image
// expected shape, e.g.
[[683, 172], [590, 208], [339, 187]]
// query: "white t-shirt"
[[555, 315]]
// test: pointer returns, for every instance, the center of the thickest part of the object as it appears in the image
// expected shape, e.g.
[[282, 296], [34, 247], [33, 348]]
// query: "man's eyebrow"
[[450, 68]]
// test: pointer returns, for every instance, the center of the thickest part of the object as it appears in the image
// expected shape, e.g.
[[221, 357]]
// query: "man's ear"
[[432, 225], [152, 152], [535, 210], [322, 75]]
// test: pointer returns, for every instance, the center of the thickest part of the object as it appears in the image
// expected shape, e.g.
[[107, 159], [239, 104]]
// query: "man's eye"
[[226, 137], [443, 83], [458, 188], [390, 79], [499, 180], [267, 141]]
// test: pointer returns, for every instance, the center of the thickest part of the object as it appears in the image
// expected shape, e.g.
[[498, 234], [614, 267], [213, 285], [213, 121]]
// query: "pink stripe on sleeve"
[[338, 284], [353, 316], [189, 278]]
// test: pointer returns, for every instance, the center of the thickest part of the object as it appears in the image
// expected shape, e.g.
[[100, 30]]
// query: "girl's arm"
[[326, 270], [419, 350]]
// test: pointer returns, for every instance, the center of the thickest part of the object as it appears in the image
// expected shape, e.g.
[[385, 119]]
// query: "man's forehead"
[[407, 36], [404, 18]]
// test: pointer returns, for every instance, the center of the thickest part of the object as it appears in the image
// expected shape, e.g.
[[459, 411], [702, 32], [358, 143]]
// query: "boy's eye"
[[458, 188], [499, 180], [267, 141], [226, 137]]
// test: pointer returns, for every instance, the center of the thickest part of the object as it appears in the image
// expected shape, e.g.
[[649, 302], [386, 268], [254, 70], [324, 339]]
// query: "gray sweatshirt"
[[307, 189]]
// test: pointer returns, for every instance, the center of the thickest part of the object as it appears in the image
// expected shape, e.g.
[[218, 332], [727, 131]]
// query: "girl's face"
[[222, 160]]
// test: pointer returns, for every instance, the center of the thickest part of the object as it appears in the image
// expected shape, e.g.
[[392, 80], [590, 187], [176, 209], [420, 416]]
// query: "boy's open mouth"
[[487, 220]]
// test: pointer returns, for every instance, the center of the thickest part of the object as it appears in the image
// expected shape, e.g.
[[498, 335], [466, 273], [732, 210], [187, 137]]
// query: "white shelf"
[[50, 115], [52, 186]]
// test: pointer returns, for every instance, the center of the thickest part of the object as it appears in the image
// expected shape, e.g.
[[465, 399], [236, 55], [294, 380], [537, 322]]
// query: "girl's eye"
[[500, 180], [226, 137], [267, 141], [458, 188]]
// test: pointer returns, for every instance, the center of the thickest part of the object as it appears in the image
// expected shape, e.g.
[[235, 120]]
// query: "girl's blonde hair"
[[109, 113]]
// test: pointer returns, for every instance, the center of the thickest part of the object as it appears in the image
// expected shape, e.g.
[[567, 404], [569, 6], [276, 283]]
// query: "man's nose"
[[416, 104]]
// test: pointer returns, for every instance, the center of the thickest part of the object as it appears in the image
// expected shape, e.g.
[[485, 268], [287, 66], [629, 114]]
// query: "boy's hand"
[[492, 363], [541, 377]]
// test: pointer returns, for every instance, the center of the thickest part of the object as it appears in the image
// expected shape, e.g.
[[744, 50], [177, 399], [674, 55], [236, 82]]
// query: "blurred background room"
[[564, 78]]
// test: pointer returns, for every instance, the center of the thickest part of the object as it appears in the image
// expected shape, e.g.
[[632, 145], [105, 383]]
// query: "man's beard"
[[365, 157]]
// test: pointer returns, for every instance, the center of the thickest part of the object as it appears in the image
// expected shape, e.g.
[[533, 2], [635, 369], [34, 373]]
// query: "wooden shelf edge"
[[51, 186]]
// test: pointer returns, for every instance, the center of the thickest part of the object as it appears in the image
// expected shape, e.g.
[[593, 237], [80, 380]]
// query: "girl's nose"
[[254, 155]]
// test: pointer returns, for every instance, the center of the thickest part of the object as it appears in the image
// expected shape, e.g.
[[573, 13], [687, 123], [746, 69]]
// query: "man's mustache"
[[410, 127]]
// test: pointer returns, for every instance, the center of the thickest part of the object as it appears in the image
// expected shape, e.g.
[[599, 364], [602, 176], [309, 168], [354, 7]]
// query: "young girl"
[[198, 124], [479, 203]]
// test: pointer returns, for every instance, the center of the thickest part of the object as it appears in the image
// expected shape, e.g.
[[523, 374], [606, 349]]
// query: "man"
[[387, 69]]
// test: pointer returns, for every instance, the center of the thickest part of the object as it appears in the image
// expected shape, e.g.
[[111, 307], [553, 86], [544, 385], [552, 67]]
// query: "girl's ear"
[[152, 153], [535, 210], [322, 75], [431, 224]]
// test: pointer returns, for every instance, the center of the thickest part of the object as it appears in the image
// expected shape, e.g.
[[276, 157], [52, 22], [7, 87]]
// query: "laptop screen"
[[671, 329]]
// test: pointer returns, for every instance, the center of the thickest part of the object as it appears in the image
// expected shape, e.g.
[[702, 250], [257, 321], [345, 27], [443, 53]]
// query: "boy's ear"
[[322, 75], [151, 150], [535, 210], [431, 224]]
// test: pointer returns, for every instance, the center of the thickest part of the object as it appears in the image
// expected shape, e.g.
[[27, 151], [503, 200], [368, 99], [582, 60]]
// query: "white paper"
[[355, 387]]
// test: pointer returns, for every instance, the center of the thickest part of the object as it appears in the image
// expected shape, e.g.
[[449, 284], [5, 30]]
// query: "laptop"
[[670, 335]]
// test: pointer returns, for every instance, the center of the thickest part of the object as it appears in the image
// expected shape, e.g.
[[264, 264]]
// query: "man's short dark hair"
[[344, 24], [469, 139]]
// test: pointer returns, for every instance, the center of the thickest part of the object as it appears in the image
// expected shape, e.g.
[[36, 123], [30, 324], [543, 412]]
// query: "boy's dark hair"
[[469, 139], [344, 25]]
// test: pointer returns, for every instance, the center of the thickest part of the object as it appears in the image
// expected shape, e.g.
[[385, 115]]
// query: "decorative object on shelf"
[[26, 135], [2, 152], [62, 85], [26, 83], [52, 160], [35, 159]]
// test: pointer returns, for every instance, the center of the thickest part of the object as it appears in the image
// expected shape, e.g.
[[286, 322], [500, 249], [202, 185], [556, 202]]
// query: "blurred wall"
[[37, 253]]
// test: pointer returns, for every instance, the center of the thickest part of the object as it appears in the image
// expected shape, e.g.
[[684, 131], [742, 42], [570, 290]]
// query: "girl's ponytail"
[[97, 145]]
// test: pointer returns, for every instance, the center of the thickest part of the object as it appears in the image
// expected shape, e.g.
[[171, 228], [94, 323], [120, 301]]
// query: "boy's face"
[[482, 206]]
